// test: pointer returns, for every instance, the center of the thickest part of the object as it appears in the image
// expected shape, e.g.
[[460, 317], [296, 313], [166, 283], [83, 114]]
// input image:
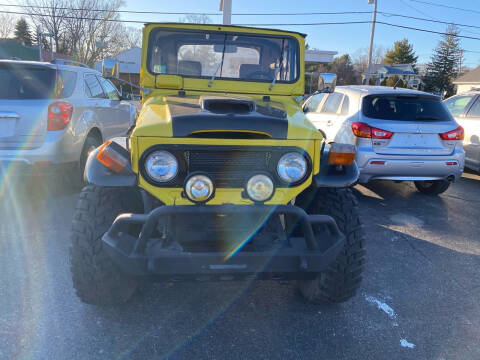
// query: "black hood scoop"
[[226, 118]]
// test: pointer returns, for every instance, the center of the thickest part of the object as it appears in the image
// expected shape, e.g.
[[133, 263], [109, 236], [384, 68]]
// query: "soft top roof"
[[220, 27]]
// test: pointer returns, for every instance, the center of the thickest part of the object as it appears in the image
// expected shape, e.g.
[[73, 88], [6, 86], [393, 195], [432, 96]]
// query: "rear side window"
[[93, 87], [405, 108], [111, 91], [24, 82], [475, 109], [332, 103], [314, 104], [345, 104], [66, 82], [457, 104]]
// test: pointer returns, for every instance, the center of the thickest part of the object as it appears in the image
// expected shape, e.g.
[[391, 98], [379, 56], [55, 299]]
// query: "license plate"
[[7, 127], [416, 140]]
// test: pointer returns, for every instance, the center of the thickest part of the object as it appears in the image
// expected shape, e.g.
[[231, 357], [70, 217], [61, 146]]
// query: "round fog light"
[[199, 188], [260, 187]]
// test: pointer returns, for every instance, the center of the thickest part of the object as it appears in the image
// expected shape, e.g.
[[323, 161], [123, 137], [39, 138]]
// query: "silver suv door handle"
[[329, 122]]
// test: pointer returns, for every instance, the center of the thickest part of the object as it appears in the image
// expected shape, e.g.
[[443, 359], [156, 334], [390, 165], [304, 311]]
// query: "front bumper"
[[296, 257]]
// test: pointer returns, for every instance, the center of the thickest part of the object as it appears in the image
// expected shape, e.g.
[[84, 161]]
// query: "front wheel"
[[96, 278], [342, 279], [434, 187]]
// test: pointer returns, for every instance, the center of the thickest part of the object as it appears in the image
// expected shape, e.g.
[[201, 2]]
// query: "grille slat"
[[228, 168]]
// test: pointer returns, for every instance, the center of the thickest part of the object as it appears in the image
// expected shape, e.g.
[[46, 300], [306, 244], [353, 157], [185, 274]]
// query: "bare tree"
[[50, 16], [196, 19], [7, 25], [360, 57]]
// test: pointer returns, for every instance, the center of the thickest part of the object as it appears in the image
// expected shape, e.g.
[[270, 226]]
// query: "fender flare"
[[331, 175], [98, 174]]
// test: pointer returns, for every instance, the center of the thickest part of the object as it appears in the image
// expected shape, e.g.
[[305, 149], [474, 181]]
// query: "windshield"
[[223, 56], [405, 108]]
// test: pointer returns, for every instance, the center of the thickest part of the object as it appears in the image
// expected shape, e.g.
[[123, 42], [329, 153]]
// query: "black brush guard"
[[298, 257]]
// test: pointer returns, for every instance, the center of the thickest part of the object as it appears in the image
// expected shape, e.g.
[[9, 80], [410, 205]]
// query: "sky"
[[341, 38]]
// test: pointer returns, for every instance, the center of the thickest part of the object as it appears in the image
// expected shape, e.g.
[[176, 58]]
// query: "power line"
[[445, 6], [428, 31], [187, 13], [430, 17], [249, 24], [387, 14]]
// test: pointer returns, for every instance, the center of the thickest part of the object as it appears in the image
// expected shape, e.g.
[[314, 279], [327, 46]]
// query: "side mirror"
[[327, 82]]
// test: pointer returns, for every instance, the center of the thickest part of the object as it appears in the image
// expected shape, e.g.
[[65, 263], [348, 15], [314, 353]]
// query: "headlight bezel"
[[308, 168], [146, 175]]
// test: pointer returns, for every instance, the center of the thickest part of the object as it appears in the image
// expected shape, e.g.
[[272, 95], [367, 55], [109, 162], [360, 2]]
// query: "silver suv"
[[52, 115], [400, 134]]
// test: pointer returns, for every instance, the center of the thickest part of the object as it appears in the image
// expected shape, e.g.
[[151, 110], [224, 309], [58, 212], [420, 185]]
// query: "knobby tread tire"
[[96, 279], [342, 279]]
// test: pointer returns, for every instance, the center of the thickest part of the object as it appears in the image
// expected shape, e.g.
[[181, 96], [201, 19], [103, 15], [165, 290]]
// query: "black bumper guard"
[[302, 255]]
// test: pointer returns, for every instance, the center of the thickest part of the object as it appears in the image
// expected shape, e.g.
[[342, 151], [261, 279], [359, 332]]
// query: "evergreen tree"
[[402, 53], [22, 32], [443, 66]]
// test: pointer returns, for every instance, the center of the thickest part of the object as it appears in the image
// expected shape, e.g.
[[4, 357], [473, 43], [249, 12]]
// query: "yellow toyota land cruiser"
[[222, 177]]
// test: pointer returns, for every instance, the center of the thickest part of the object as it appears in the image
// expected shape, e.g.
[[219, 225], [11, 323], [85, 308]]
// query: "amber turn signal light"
[[341, 154], [111, 158]]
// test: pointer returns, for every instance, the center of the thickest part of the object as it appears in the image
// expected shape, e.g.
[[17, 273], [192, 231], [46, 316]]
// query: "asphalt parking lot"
[[419, 298]]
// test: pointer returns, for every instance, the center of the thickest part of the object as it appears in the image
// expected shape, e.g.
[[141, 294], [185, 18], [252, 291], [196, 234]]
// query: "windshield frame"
[[155, 30]]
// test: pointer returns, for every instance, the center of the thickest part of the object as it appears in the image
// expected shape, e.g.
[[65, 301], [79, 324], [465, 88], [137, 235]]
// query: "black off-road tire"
[[435, 187], [342, 279], [96, 278]]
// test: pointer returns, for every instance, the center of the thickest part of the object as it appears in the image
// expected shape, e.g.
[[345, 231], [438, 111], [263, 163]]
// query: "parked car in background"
[[400, 134], [52, 115], [466, 110]]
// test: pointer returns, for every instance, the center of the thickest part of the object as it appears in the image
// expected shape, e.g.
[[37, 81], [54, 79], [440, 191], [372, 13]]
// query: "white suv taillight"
[[457, 134], [59, 115]]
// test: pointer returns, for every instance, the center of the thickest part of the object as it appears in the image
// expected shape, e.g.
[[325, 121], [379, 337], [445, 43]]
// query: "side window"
[[332, 103], [313, 104], [345, 104], [66, 83], [110, 90], [93, 87], [457, 104], [475, 109]]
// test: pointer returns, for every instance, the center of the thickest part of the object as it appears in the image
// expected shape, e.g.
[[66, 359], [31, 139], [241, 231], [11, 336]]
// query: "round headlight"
[[292, 167], [161, 166], [199, 188], [260, 187]]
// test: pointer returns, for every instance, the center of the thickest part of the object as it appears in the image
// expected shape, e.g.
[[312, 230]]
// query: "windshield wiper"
[[280, 65], [221, 63]]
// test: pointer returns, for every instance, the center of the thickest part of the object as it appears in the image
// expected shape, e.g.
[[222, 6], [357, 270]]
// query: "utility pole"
[[40, 41], [460, 62], [372, 33], [226, 7]]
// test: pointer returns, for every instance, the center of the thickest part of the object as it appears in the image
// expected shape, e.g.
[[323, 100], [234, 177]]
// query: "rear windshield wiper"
[[427, 117]]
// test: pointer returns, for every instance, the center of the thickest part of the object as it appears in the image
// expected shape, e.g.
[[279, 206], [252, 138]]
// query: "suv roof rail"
[[69, 62]]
